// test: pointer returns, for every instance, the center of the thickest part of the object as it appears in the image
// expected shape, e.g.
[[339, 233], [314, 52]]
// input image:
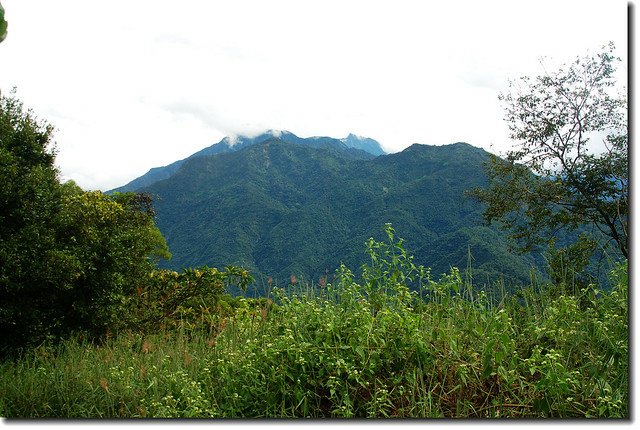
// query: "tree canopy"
[[555, 178]]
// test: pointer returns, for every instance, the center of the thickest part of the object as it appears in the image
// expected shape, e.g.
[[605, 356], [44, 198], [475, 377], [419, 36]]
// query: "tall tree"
[[30, 201], [107, 245], [68, 258], [555, 178]]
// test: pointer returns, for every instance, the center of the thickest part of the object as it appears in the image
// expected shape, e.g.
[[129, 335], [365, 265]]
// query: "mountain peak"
[[364, 143], [234, 139], [366, 148]]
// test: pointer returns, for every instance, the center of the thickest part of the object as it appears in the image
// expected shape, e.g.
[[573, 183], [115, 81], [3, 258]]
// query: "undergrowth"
[[392, 343]]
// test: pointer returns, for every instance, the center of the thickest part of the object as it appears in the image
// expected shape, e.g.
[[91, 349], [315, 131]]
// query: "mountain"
[[364, 143], [361, 147], [281, 208]]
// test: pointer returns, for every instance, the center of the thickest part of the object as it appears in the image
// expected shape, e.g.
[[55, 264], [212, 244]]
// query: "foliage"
[[551, 181], [3, 25], [194, 299], [30, 201], [68, 258], [568, 265], [392, 273], [107, 245], [343, 350]]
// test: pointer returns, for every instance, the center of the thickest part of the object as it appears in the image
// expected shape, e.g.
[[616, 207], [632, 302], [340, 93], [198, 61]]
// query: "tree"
[[554, 179], [30, 200], [107, 246], [68, 258]]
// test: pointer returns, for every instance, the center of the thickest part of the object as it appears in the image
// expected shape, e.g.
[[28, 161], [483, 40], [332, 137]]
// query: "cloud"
[[173, 39], [180, 108], [214, 119], [496, 82]]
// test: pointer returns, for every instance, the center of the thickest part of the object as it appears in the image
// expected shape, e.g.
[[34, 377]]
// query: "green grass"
[[371, 348]]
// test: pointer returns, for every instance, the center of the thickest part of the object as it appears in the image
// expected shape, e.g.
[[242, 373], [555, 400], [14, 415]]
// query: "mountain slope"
[[281, 209], [358, 147]]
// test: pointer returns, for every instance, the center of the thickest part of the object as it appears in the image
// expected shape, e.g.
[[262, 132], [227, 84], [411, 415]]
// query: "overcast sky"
[[135, 84]]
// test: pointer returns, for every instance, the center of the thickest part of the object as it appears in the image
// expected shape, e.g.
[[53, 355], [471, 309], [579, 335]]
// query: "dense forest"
[[93, 326], [271, 195]]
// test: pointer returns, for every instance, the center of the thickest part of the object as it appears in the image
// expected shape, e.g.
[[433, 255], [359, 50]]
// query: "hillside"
[[282, 209]]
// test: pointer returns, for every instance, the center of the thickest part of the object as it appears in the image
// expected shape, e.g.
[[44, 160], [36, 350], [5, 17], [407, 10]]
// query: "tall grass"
[[367, 348]]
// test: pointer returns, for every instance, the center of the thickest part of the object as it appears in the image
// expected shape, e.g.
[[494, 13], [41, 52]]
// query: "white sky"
[[135, 84]]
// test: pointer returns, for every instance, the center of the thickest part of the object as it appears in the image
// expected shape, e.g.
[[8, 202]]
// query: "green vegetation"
[[551, 180], [280, 209], [3, 25], [367, 348], [68, 258]]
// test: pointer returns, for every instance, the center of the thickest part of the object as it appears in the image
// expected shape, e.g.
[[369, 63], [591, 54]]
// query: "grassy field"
[[366, 348]]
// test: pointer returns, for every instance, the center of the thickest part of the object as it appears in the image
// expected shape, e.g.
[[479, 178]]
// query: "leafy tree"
[[68, 258], [553, 180], [107, 245], [30, 200]]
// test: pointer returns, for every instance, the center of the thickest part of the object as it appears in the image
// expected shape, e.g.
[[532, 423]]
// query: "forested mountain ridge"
[[281, 209], [358, 146]]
